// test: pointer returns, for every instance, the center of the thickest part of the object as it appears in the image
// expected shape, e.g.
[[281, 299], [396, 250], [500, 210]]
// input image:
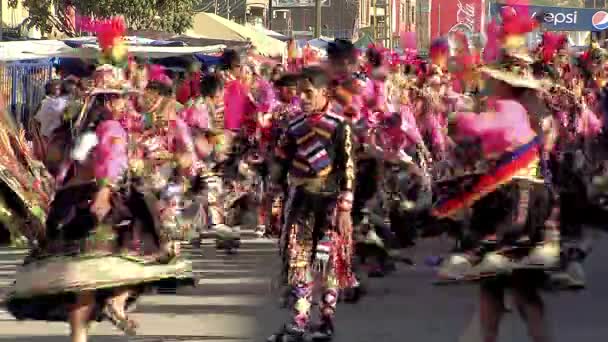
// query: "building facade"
[[297, 17]]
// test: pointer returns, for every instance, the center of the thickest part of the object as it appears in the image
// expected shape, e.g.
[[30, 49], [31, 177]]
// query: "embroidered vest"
[[313, 138]]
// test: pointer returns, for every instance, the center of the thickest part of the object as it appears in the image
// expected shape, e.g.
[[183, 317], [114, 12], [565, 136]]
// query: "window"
[[595, 3]]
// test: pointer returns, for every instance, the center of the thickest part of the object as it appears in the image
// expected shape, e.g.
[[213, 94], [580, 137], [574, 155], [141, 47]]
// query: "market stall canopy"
[[211, 26], [200, 41], [269, 33], [85, 41], [51, 49], [319, 43], [29, 49]]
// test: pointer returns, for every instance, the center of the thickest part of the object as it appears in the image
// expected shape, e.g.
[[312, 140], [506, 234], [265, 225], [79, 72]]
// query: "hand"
[[102, 203]]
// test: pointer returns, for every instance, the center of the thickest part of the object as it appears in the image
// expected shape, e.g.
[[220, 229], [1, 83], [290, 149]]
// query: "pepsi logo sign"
[[600, 20], [558, 18]]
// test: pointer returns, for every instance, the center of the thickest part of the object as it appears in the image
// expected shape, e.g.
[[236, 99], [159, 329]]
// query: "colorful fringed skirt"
[[81, 254]]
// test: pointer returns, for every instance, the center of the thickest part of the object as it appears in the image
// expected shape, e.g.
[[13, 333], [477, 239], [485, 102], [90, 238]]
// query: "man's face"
[[288, 93], [218, 97], [117, 105], [313, 99], [150, 97]]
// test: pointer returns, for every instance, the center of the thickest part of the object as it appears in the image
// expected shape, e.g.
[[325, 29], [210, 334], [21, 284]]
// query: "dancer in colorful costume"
[[315, 157], [103, 245], [513, 239], [273, 128]]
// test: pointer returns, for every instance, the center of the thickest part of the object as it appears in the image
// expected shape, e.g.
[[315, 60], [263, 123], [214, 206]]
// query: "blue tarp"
[[209, 60], [24, 82]]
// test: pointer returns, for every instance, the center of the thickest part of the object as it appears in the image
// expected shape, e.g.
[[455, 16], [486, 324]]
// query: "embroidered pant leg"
[[297, 249], [324, 213], [329, 300], [302, 287]]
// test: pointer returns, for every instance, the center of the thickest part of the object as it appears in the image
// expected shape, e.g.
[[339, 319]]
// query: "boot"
[[227, 238], [289, 333], [325, 331], [260, 231], [327, 308], [573, 275]]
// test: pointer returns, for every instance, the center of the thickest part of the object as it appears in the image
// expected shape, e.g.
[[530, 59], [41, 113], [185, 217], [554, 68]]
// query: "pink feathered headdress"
[[551, 44], [108, 31], [157, 73]]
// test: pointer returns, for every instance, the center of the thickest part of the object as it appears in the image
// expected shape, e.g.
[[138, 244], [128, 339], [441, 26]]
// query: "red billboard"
[[448, 16]]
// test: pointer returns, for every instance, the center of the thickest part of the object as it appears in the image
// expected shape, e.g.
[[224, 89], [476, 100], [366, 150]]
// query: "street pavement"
[[235, 301]]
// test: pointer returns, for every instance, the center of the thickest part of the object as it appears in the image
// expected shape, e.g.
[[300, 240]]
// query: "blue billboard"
[[564, 18]]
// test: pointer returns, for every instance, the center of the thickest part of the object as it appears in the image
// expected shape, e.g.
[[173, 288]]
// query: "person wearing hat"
[[514, 239], [272, 128], [189, 88], [342, 62], [214, 136], [80, 272]]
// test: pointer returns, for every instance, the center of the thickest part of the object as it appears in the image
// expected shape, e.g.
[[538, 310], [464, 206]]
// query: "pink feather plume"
[[158, 73]]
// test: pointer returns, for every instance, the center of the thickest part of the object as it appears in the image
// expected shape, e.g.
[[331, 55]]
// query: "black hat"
[[230, 59], [287, 80], [341, 49]]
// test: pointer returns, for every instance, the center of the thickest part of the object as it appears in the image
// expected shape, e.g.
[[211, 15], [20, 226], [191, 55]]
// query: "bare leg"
[[79, 316], [531, 308], [115, 311], [491, 311], [119, 300]]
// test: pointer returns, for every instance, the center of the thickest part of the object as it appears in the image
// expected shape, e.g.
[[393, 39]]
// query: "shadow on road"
[[151, 338]]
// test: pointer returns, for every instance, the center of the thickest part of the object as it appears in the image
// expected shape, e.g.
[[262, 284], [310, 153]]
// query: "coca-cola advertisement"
[[449, 16]]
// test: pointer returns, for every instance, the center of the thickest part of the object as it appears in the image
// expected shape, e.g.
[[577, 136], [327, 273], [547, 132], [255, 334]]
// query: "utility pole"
[[269, 14], [389, 24], [374, 24], [318, 13], [1, 23]]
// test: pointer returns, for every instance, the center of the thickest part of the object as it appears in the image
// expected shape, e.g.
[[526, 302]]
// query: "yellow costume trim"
[[350, 164]]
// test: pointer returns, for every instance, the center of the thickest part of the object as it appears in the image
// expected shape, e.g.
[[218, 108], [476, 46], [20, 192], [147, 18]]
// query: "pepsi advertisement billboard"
[[564, 18]]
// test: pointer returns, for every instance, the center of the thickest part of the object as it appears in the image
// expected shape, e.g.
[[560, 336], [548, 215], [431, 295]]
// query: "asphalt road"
[[234, 301]]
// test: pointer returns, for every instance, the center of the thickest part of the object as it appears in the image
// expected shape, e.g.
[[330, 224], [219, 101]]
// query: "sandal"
[[125, 325]]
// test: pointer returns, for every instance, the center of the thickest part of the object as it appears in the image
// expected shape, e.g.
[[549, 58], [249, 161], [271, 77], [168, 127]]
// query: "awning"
[[269, 33], [30, 49], [150, 52], [211, 26], [320, 43]]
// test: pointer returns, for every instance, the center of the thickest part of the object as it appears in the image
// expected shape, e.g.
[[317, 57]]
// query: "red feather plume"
[[552, 42], [108, 30]]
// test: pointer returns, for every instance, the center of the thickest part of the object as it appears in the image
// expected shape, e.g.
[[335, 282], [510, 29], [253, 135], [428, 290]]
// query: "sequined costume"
[[86, 250], [315, 158]]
